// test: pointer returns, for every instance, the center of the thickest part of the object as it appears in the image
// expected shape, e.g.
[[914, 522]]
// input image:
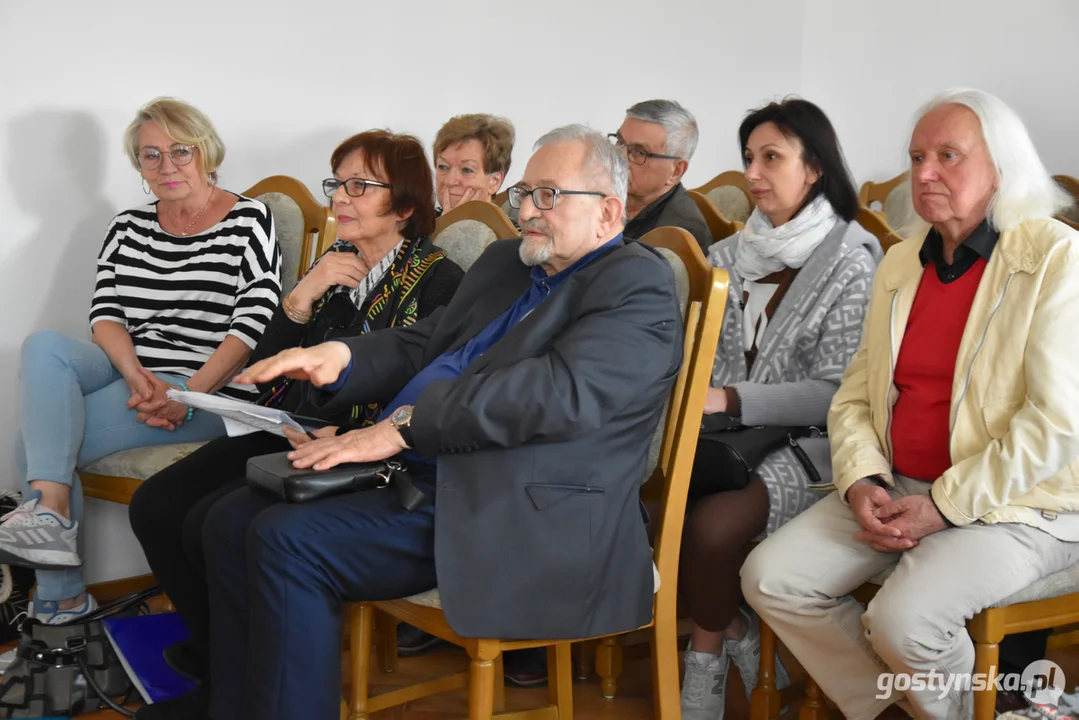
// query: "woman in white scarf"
[[802, 266]]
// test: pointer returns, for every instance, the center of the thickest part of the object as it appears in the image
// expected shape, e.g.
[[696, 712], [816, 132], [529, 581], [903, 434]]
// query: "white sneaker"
[[49, 613], [704, 685], [36, 537], [746, 654]]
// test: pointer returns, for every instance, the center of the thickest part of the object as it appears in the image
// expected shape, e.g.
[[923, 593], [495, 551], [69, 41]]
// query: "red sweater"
[[924, 372]]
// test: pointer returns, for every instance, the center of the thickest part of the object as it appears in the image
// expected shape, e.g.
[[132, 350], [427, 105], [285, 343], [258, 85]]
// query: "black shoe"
[[525, 668], [189, 660], [413, 641], [193, 706]]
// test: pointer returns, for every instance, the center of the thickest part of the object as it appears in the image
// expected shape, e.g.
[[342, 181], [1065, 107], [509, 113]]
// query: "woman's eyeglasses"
[[354, 187], [180, 154]]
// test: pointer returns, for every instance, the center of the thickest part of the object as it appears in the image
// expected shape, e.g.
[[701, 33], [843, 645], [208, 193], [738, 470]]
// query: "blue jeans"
[[278, 575], [73, 411]]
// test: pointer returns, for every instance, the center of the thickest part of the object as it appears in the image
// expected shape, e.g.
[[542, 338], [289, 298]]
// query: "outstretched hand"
[[321, 365]]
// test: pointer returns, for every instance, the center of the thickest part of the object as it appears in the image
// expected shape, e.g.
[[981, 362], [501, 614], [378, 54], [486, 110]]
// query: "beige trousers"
[[799, 581]]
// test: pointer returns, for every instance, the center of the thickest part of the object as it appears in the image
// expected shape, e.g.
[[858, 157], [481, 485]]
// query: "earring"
[[145, 186]]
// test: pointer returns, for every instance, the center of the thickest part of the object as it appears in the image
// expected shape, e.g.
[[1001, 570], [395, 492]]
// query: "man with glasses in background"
[[526, 405], [659, 138]]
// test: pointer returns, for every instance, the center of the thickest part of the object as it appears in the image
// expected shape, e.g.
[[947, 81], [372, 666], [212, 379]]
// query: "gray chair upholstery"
[[731, 202], [141, 463], [1060, 583], [464, 241], [898, 209], [289, 224]]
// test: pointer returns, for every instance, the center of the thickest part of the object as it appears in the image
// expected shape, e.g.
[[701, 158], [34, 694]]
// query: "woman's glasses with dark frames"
[[354, 187]]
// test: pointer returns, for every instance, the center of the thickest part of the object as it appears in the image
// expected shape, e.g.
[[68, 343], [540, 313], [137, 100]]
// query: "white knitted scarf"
[[763, 249]]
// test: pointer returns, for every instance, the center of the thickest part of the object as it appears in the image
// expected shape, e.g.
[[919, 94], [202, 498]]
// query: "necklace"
[[198, 216]]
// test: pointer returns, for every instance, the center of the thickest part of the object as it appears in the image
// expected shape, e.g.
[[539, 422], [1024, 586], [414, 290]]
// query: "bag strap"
[[101, 694]]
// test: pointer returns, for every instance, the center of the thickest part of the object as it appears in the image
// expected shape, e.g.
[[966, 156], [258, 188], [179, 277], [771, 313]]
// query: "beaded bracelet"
[[190, 409]]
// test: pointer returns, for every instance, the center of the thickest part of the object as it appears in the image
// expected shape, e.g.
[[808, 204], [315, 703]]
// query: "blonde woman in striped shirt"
[[185, 287]]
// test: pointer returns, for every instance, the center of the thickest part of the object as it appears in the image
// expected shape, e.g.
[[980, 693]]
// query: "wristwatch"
[[401, 421]]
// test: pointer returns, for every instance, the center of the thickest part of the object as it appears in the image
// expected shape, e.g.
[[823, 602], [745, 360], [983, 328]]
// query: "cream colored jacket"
[[1015, 397]]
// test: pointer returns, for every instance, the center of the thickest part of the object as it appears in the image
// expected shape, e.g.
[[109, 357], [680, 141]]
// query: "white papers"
[[240, 417]]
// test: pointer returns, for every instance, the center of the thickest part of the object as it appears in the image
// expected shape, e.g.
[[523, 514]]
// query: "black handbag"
[[274, 476], [71, 668], [728, 452]]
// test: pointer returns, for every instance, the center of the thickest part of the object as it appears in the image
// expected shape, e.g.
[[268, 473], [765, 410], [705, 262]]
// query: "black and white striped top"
[[179, 297]]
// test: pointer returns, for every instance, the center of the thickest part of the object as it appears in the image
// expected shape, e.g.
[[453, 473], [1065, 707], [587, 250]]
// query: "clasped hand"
[[149, 399], [892, 525]]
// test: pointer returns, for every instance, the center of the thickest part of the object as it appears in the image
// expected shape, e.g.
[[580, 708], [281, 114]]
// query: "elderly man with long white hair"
[[955, 431]]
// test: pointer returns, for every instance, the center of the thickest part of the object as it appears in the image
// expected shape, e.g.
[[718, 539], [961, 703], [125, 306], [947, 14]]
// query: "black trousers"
[[168, 511]]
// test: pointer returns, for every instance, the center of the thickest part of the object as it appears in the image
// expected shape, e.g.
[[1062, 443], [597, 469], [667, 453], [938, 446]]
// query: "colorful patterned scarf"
[[392, 302]]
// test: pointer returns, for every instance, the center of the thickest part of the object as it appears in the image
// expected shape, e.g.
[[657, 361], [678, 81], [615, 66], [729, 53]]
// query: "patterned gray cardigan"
[[807, 344]]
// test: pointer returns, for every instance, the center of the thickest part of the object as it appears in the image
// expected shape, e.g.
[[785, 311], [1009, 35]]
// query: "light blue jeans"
[[73, 411]]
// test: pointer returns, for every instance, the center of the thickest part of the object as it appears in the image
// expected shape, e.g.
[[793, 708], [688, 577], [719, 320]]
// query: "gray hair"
[[679, 123], [1025, 190], [608, 161]]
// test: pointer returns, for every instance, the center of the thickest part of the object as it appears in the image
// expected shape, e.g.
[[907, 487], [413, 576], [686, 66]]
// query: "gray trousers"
[[800, 578]]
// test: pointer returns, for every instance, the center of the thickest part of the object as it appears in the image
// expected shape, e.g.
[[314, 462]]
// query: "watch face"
[[401, 415]]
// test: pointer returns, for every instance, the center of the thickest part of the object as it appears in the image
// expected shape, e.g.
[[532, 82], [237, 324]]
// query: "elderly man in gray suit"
[[525, 409]]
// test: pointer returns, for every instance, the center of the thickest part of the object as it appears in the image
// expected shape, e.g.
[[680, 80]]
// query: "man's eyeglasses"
[[180, 154], [354, 187], [544, 198], [635, 153]]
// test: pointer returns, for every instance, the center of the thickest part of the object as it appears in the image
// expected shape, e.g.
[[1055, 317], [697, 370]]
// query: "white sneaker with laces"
[[746, 654], [36, 537], [704, 685]]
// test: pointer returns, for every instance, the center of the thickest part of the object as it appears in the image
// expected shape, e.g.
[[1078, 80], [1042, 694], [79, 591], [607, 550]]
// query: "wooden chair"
[[872, 192], [1071, 216], [466, 231], [706, 291], [1051, 602], [501, 198], [876, 225], [719, 226], [729, 193], [304, 229]]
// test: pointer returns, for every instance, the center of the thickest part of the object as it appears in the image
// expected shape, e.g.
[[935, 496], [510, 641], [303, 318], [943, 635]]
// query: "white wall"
[[285, 85], [871, 65]]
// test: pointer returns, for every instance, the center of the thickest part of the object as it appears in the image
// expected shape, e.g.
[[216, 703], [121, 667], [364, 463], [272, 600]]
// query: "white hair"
[[607, 160], [679, 124], [1025, 190]]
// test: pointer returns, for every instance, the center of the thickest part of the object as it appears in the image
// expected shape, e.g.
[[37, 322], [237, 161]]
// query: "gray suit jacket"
[[541, 442]]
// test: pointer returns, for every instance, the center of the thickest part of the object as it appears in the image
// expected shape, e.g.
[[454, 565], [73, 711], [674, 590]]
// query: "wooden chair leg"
[[986, 664], [813, 707], [500, 683], [560, 679], [765, 701], [481, 678], [666, 698], [362, 636], [609, 664], [584, 653], [386, 642], [986, 631]]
